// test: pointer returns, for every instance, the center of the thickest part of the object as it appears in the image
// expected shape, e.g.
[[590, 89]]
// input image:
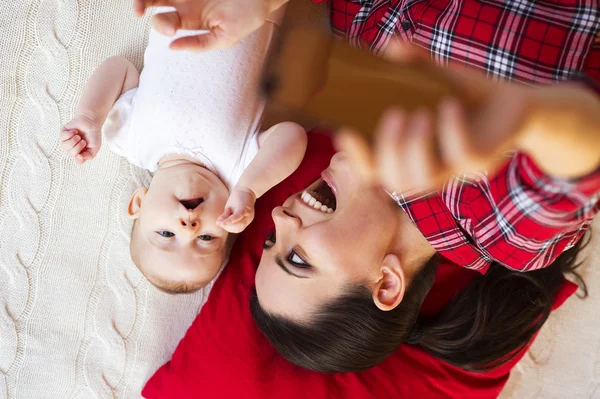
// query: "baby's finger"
[[87, 155], [235, 227], [66, 134], [236, 217], [77, 148], [225, 215], [70, 143]]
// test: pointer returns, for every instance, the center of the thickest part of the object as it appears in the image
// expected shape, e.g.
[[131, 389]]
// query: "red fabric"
[[223, 355]]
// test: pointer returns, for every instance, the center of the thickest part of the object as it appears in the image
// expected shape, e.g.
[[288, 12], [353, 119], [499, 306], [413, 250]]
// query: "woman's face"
[[315, 253]]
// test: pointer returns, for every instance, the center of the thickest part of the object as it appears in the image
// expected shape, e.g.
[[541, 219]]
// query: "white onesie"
[[206, 105]]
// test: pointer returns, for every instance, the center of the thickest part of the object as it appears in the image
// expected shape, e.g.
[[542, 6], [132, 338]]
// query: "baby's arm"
[[82, 136], [281, 150]]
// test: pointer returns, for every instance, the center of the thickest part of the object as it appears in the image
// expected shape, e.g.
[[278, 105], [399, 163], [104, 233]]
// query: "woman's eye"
[[297, 260], [205, 237], [166, 234], [270, 241]]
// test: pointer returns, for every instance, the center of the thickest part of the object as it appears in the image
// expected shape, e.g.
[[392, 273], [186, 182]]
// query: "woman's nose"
[[286, 216]]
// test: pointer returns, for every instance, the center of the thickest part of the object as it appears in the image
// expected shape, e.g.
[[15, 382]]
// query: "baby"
[[192, 120]]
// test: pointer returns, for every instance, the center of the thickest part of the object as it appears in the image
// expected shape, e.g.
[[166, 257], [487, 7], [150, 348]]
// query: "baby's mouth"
[[320, 197], [191, 204]]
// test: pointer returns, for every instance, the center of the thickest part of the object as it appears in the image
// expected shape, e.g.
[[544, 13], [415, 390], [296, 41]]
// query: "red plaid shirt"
[[519, 217], [522, 40]]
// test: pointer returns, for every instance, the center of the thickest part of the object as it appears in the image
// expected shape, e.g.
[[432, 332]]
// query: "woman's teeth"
[[312, 202]]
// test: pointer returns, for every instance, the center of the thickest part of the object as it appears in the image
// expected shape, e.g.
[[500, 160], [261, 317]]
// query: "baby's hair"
[[169, 287], [174, 287]]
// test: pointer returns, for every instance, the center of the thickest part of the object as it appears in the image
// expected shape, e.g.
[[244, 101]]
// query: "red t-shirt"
[[224, 355]]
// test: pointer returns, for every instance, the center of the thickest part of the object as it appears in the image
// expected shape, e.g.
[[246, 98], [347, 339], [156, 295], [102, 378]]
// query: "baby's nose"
[[193, 223]]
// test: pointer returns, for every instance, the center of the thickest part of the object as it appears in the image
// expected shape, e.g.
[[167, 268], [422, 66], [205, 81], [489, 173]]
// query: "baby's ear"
[[135, 203]]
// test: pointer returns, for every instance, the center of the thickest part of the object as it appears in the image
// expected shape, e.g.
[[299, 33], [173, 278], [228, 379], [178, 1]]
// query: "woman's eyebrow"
[[285, 269]]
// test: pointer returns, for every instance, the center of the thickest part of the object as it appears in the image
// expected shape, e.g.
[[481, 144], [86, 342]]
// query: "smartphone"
[[311, 74]]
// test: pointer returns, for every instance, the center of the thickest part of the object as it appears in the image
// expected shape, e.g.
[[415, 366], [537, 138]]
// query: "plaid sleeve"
[[521, 217]]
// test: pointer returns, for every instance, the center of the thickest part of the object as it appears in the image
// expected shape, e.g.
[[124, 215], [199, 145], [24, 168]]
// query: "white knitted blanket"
[[77, 319]]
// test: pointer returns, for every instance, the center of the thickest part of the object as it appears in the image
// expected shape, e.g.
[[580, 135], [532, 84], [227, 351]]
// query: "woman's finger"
[[140, 6], [77, 148], [398, 51], [419, 152], [357, 150], [456, 147], [167, 23], [198, 43], [390, 134]]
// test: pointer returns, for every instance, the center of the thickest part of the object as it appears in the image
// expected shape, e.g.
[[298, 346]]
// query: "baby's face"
[[176, 242]]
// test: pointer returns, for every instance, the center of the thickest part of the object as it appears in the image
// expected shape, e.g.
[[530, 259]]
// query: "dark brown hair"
[[484, 326]]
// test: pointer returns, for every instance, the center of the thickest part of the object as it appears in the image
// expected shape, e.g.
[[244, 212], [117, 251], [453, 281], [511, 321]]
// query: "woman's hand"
[[228, 21], [557, 125], [412, 151], [81, 139]]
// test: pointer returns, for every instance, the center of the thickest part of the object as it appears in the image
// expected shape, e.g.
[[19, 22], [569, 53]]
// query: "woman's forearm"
[[563, 133], [113, 77]]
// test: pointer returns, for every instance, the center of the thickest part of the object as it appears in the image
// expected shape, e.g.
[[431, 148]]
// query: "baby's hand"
[[81, 138], [239, 210]]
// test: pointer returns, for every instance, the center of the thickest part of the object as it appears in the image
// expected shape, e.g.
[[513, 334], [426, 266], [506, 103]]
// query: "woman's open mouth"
[[320, 196]]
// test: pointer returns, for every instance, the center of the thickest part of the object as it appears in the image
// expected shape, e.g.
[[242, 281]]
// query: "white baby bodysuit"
[[206, 105]]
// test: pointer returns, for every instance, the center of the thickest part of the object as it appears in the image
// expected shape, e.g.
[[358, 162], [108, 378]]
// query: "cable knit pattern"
[[77, 319]]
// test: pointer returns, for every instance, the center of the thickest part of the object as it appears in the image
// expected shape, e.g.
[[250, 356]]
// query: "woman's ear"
[[389, 290], [135, 203]]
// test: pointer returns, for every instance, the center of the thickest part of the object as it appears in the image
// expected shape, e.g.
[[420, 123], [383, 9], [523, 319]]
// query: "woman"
[[341, 291]]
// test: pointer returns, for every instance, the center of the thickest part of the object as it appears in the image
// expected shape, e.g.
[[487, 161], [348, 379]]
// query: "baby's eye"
[[166, 234], [205, 237]]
